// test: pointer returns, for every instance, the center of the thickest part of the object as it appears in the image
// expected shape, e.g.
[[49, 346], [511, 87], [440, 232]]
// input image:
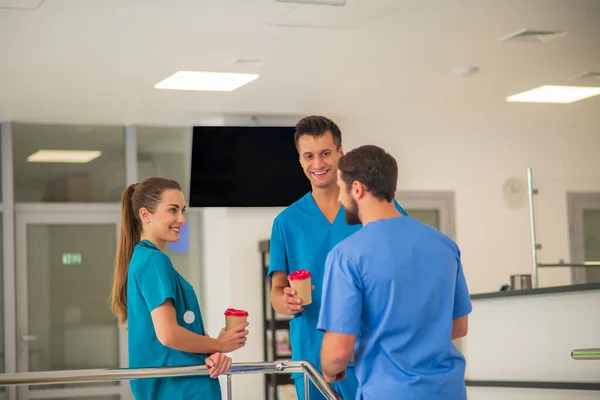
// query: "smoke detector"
[[529, 35], [466, 70], [587, 75], [250, 62]]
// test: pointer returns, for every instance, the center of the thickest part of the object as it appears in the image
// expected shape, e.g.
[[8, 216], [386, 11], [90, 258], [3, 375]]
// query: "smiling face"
[[319, 159], [164, 225]]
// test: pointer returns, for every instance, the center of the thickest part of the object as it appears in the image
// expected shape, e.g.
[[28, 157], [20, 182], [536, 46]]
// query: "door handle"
[[30, 338]]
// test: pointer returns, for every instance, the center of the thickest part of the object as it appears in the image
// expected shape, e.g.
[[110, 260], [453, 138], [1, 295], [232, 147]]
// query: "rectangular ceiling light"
[[206, 81], [64, 156], [318, 2], [555, 94]]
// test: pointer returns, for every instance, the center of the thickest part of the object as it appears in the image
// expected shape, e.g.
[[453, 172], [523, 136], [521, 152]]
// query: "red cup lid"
[[299, 275], [232, 312]]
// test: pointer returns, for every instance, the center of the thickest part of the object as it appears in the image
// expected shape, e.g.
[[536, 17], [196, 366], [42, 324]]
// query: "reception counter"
[[519, 344]]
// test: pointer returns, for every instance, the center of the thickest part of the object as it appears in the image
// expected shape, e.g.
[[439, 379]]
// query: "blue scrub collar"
[[147, 243]]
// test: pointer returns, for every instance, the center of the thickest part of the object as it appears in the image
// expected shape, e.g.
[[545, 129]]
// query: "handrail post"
[[229, 387], [306, 387], [531, 191], [318, 380]]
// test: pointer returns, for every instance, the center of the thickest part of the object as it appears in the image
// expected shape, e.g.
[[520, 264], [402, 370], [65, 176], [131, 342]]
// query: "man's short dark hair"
[[374, 168], [316, 125]]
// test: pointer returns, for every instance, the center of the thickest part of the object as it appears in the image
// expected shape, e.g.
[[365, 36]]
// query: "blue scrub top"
[[398, 284], [151, 280], [301, 238]]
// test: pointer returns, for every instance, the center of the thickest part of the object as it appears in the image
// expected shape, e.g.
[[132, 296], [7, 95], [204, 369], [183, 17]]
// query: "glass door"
[[584, 235], [591, 237], [64, 270]]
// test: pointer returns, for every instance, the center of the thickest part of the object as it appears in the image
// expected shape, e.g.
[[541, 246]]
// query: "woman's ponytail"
[[128, 237]]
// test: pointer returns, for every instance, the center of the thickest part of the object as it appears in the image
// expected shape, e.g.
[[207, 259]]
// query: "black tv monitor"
[[245, 166]]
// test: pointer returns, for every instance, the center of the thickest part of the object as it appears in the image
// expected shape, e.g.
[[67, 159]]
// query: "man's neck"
[[375, 210], [327, 201], [327, 196]]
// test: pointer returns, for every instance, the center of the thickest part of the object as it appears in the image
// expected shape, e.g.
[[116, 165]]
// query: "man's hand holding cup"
[[299, 293]]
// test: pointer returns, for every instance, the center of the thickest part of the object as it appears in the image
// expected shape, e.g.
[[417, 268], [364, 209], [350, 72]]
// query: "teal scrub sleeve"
[[342, 299], [399, 208], [462, 300], [278, 260], [156, 280]]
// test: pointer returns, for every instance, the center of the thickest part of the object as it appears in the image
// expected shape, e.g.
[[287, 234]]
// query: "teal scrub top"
[[301, 238], [398, 284], [151, 280]]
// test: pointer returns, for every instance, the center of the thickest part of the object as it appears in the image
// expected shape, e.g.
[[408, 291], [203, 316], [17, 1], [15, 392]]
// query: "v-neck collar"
[[316, 206]]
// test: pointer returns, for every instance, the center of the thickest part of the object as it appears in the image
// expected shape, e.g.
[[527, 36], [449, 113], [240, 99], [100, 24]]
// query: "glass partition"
[[68, 163], [166, 152]]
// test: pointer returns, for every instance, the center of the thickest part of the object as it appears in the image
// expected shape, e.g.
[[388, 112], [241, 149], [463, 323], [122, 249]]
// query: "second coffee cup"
[[300, 282], [234, 317]]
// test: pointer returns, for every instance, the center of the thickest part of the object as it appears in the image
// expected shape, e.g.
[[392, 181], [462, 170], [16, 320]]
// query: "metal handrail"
[[118, 374], [586, 354]]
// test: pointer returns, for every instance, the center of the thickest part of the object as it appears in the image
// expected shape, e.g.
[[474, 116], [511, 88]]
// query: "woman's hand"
[[218, 364], [233, 339]]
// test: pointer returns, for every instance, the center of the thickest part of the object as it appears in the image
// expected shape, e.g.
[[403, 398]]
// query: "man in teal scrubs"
[[302, 236], [152, 280]]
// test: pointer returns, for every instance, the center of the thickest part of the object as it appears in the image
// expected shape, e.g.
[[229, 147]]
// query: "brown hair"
[[146, 194], [316, 125], [374, 168]]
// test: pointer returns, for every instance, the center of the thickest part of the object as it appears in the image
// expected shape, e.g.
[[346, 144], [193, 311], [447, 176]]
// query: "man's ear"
[[358, 189]]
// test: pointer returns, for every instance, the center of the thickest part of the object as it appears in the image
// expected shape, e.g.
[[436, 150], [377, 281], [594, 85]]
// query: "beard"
[[352, 217]]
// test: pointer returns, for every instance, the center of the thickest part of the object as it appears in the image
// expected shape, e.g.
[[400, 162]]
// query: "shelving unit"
[[274, 323]]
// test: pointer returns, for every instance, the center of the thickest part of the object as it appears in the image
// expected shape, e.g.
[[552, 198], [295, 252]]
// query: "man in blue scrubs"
[[394, 293], [302, 236]]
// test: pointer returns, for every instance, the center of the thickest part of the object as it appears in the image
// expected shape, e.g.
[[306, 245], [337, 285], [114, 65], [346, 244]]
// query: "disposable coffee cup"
[[234, 317], [300, 282]]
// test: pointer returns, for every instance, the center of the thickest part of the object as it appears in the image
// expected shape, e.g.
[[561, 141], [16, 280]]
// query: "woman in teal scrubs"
[[160, 307]]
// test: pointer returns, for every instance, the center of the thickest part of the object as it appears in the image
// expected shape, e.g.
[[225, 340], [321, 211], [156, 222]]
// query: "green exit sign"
[[71, 258]]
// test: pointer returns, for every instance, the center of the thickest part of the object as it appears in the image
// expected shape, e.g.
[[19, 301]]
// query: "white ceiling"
[[96, 61]]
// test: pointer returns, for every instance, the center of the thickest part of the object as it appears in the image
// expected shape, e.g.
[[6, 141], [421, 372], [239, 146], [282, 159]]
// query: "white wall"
[[216, 269], [474, 162], [233, 277]]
